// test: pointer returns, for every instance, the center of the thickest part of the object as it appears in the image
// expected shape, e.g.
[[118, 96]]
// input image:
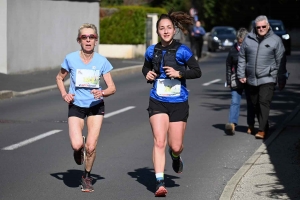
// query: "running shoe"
[[79, 156], [177, 163], [86, 184], [230, 129], [161, 191]]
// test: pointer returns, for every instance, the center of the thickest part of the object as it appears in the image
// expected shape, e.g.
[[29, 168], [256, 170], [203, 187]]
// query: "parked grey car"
[[221, 38]]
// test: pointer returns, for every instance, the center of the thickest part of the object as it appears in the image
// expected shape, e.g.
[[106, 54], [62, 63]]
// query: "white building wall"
[[41, 32], [3, 36]]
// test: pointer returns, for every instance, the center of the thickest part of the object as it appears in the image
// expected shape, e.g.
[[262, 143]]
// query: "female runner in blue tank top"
[[165, 67]]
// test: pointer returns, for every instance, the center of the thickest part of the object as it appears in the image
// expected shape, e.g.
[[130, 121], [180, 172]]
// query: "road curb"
[[126, 70], [234, 181], [6, 94]]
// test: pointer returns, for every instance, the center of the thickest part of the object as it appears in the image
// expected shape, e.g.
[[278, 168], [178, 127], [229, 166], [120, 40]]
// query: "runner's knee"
[[177, 149], [77, 145], [161, 144], [90, 151]]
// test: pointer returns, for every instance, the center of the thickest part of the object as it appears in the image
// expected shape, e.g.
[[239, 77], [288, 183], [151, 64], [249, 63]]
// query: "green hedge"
[[127, 26]]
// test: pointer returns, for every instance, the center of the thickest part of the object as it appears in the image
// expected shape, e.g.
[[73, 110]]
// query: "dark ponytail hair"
[[179, 19]]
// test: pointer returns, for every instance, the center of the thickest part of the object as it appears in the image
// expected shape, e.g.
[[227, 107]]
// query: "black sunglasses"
[[84, 37], [258, 27]]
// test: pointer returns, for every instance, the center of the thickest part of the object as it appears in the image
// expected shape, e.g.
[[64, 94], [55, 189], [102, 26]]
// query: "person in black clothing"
[[237, 91], [197, 34]]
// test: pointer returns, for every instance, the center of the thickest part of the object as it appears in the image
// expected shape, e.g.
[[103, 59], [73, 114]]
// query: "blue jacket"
[[201, 31]]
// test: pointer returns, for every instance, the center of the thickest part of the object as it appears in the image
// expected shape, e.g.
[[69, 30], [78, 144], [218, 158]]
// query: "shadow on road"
[[283, 177], [72, 178], [145, 176], [240, 128]]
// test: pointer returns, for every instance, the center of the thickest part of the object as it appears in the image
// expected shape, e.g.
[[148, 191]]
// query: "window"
[[276, 26], [227, 31]]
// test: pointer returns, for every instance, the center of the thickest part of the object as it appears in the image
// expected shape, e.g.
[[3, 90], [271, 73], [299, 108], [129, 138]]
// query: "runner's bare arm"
[[60, 84], [111, 88]]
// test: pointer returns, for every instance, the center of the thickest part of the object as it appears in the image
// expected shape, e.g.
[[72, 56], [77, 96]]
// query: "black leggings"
[[198, 42]]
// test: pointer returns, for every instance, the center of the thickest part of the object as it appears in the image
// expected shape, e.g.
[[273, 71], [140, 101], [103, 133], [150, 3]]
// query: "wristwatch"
[[180, 74]]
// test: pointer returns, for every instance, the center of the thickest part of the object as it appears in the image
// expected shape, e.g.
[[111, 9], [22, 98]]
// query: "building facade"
[[37, 34]]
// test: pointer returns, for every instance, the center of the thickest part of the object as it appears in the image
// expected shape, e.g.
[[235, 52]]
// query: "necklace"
[[85, 58]]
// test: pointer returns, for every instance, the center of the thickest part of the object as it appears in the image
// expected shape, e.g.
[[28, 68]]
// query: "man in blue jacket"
[[262, 64]]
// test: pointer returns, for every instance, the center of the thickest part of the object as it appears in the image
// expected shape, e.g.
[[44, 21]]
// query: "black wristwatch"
[[180, 74]]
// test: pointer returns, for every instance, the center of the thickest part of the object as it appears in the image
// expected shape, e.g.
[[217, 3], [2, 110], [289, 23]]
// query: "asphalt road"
[[44, 168]]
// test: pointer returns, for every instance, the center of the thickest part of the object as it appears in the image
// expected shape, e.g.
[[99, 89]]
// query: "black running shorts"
[[176, 111], [76, 111]]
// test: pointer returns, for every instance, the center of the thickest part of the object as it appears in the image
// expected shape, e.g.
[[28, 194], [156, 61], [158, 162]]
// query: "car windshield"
[[277, 26], [226, 31]]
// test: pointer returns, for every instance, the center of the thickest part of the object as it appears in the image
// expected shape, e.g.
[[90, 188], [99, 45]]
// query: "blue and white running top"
[[165, 89], [85, 77]]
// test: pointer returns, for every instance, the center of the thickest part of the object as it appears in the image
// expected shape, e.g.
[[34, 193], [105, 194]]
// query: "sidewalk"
[[272, 172]]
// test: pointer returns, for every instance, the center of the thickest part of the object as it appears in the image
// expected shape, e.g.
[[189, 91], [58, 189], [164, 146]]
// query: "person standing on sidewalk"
[[237, 90], [165, 67], [262, 64], [85, 97], [198, 33]]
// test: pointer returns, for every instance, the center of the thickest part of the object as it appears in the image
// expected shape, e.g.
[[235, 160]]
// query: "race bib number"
[[87, 78], [168, 87]]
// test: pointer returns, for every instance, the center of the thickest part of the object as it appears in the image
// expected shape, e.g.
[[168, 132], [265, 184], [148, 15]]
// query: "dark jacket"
[[232, 62], [263, 60]]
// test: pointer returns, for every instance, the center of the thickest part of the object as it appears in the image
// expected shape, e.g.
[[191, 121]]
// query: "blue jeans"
[[234, 113]]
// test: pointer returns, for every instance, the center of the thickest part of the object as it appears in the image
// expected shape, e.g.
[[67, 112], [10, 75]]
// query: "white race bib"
[[168, 87], [88, 78]]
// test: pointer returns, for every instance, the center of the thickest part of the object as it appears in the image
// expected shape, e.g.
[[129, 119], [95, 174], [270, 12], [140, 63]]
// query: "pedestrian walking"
[[165, 67], [262, 64], [237, 88], [191, 39], [198, 33], [85, 97]]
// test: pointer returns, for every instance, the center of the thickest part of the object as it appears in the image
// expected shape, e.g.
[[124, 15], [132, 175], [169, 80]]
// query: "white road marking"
[[211, 82], [118, 111], [25, 142], [31, 140]]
